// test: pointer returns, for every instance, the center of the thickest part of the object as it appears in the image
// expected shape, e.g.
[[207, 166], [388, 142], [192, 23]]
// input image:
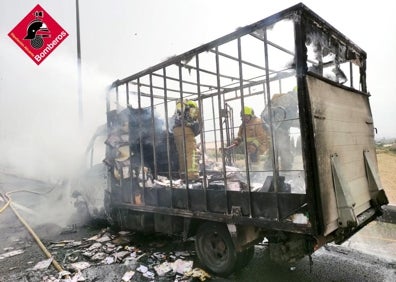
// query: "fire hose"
[[7, 198]]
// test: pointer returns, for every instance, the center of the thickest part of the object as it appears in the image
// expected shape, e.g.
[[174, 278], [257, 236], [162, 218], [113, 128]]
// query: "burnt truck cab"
[[317, 183]]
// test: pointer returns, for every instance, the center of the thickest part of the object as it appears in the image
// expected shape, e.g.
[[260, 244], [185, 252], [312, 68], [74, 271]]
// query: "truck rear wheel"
[[215, 249]]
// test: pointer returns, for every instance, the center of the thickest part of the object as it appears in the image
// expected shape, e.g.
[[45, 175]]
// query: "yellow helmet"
[[191, 104], [248, 111], [187, 103]]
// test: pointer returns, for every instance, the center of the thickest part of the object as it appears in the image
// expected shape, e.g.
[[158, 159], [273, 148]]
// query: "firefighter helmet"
[[191, 104], [247, 111], [32, 29], [187, 103]]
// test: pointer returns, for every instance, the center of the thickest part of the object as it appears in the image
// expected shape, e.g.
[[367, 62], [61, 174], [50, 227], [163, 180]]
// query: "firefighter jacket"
[[187, 114], [257, 137], [284, 109]]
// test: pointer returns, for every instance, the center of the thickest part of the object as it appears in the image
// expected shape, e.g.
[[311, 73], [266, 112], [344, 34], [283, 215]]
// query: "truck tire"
[[215, 249]]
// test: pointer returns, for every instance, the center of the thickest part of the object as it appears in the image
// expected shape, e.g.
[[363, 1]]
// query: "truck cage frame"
[[293, 49]]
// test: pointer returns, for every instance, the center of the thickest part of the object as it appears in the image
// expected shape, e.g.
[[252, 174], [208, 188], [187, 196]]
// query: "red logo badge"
[[38, 34]]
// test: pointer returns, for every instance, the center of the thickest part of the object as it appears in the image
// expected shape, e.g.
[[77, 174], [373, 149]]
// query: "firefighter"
[[187, 119], [257, 138], [284, 108]]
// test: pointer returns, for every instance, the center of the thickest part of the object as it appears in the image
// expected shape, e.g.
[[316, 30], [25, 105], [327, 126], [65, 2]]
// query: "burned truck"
[[316, 183]]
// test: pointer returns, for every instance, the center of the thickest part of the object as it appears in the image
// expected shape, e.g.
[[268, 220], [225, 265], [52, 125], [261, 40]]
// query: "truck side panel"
[[343, 132]]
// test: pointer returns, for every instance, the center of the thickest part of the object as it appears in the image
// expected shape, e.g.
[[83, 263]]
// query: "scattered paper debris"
[[78, 277], [11, 254], [108, 260], [104, 238], [98, 256], [182, 253], [105, 248], [142, 269], [63, 274], [163, 268], [149, 275], [80, 265], [198, 273], [128, 275], [44, 264], [95, 246], [120, 255], [182, 266]]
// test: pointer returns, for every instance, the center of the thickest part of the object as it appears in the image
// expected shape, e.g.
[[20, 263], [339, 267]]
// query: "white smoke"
[[41, 134]]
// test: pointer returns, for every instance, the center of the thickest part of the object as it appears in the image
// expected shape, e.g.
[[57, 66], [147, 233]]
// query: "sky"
[[41, 130]]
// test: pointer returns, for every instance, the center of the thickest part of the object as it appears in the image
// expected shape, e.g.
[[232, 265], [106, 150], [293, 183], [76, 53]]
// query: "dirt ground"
[[387, 169]]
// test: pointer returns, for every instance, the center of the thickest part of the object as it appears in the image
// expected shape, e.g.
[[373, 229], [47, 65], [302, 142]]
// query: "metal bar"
[[272, 44], [108, 101], [247, 158], [275, 167], [225, 114], [143, 94], [210, 72], [236, 59], [219, 217], [167, 128], [307, 137], [214, 123], [183, 129], [184, 135], [202, 133], [185, 81], [117, 100], [127, 92], [219, 106], [140, 134], [153, 125], [161, 88]]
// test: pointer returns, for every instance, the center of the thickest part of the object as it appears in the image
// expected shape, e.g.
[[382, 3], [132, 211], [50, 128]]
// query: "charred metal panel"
[[168, 224], [136, 221], [342, 126]]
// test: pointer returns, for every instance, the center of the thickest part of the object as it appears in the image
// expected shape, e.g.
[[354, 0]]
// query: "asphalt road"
[[368, 256]]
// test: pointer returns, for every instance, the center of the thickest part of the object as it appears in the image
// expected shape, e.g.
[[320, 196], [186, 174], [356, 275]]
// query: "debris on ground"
[[128, 275], [83, 260], [198, 273], [44, 264], [11, 254]]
